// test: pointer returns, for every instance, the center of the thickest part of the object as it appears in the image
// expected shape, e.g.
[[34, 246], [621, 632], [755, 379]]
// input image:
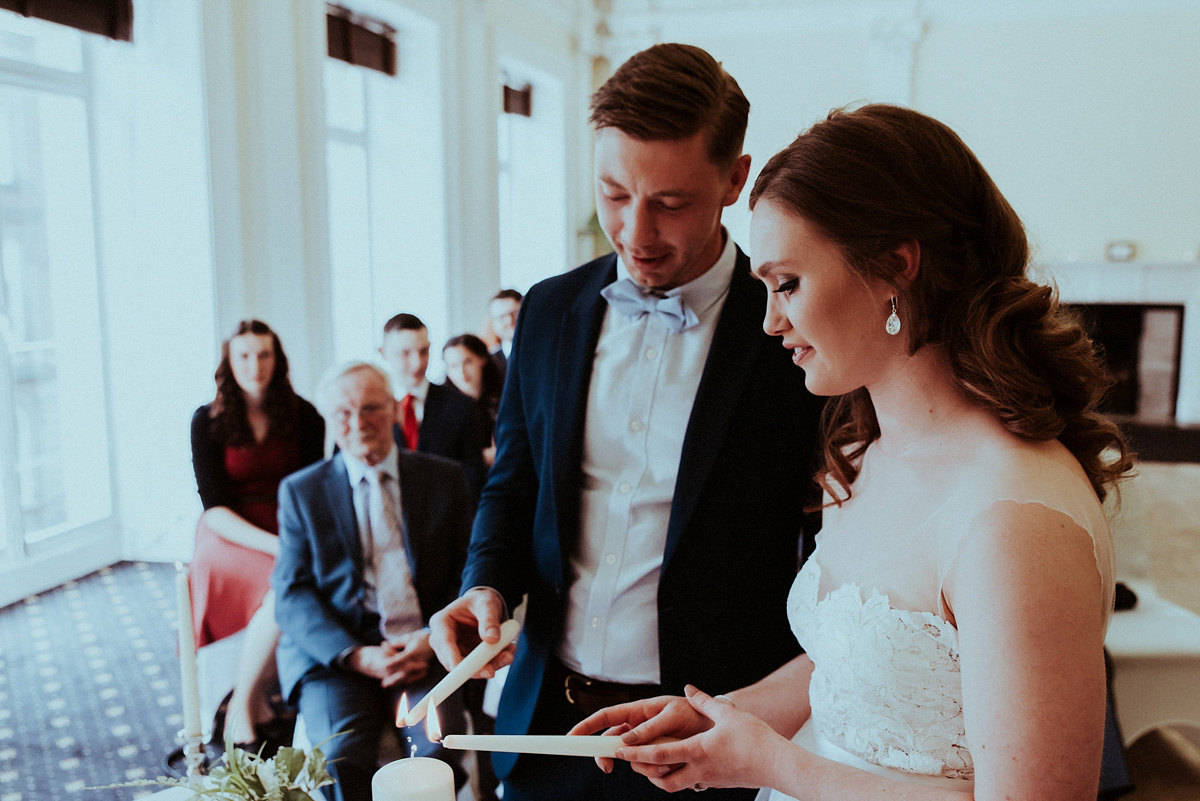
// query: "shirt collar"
[[704, 290], [356, 469], [419, 393]]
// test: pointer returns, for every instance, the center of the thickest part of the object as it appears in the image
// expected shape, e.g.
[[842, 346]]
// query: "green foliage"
[[290, 775]]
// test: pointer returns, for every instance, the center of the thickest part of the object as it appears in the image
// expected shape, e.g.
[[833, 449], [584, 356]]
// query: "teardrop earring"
[[893, 321]]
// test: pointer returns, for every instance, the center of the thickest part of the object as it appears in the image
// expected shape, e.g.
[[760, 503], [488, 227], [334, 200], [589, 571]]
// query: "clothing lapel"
[[576, 355], [341, 502], [429, 419], [730, 360]]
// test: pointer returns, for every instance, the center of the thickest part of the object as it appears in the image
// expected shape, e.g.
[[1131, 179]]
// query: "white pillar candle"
[[190, 687], [413, 779], [472, 663], [558, 745]]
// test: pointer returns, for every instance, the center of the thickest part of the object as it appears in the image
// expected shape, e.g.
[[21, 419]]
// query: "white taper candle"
[[471, 664], [558, 745], [190, 687]]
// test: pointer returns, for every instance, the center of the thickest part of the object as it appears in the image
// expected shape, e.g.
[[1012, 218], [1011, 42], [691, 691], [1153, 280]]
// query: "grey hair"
[[335, 374]]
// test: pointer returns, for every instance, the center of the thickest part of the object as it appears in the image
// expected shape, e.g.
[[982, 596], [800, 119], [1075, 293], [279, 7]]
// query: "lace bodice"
[[869, 607], [886, 686]]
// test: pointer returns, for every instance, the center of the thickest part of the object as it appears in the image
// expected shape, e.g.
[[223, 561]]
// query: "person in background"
[[954, 611], [255, 432], [469, 367], [502, 314], [372, 542], [434, 418], [649, 442]]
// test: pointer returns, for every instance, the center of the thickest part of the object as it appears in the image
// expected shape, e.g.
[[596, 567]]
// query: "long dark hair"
[[227, 412], [493, 381], [877, 177]]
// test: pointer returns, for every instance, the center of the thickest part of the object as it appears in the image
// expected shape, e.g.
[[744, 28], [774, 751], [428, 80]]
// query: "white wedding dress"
[[886, 692]]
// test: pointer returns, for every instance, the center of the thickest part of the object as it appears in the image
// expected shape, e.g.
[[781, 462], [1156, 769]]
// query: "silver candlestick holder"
[[193, 754]]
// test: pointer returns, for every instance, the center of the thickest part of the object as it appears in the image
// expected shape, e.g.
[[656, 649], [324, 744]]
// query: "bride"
[[953, 614]]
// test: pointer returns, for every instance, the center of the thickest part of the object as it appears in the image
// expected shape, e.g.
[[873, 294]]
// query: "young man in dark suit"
[[649, 445], [502, 315], [371, 543], [434, 418]]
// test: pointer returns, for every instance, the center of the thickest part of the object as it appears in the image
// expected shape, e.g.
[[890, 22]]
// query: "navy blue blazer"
[[453, 426], [318, 575], [733, 540]]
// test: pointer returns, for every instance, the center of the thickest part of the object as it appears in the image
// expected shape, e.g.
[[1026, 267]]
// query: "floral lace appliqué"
[[886, 685]]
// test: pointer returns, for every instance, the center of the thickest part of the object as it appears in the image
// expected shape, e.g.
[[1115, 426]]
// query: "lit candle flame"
[[433, 728], [402, 711]]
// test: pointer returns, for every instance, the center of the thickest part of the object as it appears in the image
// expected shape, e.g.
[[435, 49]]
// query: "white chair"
[[1155, 649]]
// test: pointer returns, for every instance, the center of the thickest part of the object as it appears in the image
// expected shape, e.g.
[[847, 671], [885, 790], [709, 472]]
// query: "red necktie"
[[410, 425]]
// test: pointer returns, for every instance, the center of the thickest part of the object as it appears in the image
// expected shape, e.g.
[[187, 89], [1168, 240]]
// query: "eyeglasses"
[[344, 414]]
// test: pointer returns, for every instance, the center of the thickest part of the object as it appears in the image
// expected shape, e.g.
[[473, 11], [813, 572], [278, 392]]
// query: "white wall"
[[1088, 121], [156, 268], [1085, 113]]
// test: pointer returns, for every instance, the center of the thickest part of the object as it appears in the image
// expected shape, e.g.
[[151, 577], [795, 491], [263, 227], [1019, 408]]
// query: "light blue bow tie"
[[632, 300]]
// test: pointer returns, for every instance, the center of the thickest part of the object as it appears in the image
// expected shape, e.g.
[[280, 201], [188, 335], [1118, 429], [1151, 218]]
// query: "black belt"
[[588, 695]]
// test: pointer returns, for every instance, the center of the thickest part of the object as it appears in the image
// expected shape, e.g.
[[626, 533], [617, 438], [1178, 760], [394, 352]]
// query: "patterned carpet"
[[89, 694], [89, 686]]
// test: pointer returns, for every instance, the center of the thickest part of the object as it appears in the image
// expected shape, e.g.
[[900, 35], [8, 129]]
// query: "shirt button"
[[595, 622], [636, 425], [624, 487], [610, 559], [651, 353]]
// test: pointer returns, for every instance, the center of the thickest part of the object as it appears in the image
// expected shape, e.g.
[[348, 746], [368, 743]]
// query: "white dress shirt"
[[356, 471], [644, 380]]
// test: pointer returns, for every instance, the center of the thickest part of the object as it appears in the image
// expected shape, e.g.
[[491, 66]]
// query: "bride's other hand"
[[720, 746], [661, 716]]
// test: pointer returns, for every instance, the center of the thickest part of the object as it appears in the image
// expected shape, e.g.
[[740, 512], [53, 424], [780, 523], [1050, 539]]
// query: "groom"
[[654, 446]]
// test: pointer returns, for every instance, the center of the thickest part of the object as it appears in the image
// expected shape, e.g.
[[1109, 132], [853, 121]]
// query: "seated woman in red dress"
[[254, 433]]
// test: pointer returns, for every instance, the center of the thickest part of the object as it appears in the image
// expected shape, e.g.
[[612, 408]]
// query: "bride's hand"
[[661, 716], [731, 748]]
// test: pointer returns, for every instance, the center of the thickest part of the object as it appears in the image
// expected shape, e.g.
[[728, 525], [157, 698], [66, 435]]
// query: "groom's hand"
[[473, 618]]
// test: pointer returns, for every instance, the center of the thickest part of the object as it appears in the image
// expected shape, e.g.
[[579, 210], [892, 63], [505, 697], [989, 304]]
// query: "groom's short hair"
[[672, 91]]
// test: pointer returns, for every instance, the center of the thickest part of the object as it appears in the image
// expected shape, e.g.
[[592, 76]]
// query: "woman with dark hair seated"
[[954, 611], [470, 367], [255, 432]]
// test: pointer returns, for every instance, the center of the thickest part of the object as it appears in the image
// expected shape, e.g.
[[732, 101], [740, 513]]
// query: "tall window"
[[54, 477], [386, 179], [534, 230]]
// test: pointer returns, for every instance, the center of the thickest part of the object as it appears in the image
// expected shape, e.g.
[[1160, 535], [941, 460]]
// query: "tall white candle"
[[187, 656], [471, 664], [413, 779], [558, 745]]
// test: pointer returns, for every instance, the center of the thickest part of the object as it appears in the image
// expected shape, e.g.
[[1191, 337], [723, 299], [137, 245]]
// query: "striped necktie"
[[399, 608]]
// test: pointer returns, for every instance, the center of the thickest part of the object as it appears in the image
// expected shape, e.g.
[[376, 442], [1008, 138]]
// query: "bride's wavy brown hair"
[[874, 178]]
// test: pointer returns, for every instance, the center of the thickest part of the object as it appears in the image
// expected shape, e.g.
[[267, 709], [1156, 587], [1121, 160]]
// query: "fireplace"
[[1142, 344], [1147, 318]]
